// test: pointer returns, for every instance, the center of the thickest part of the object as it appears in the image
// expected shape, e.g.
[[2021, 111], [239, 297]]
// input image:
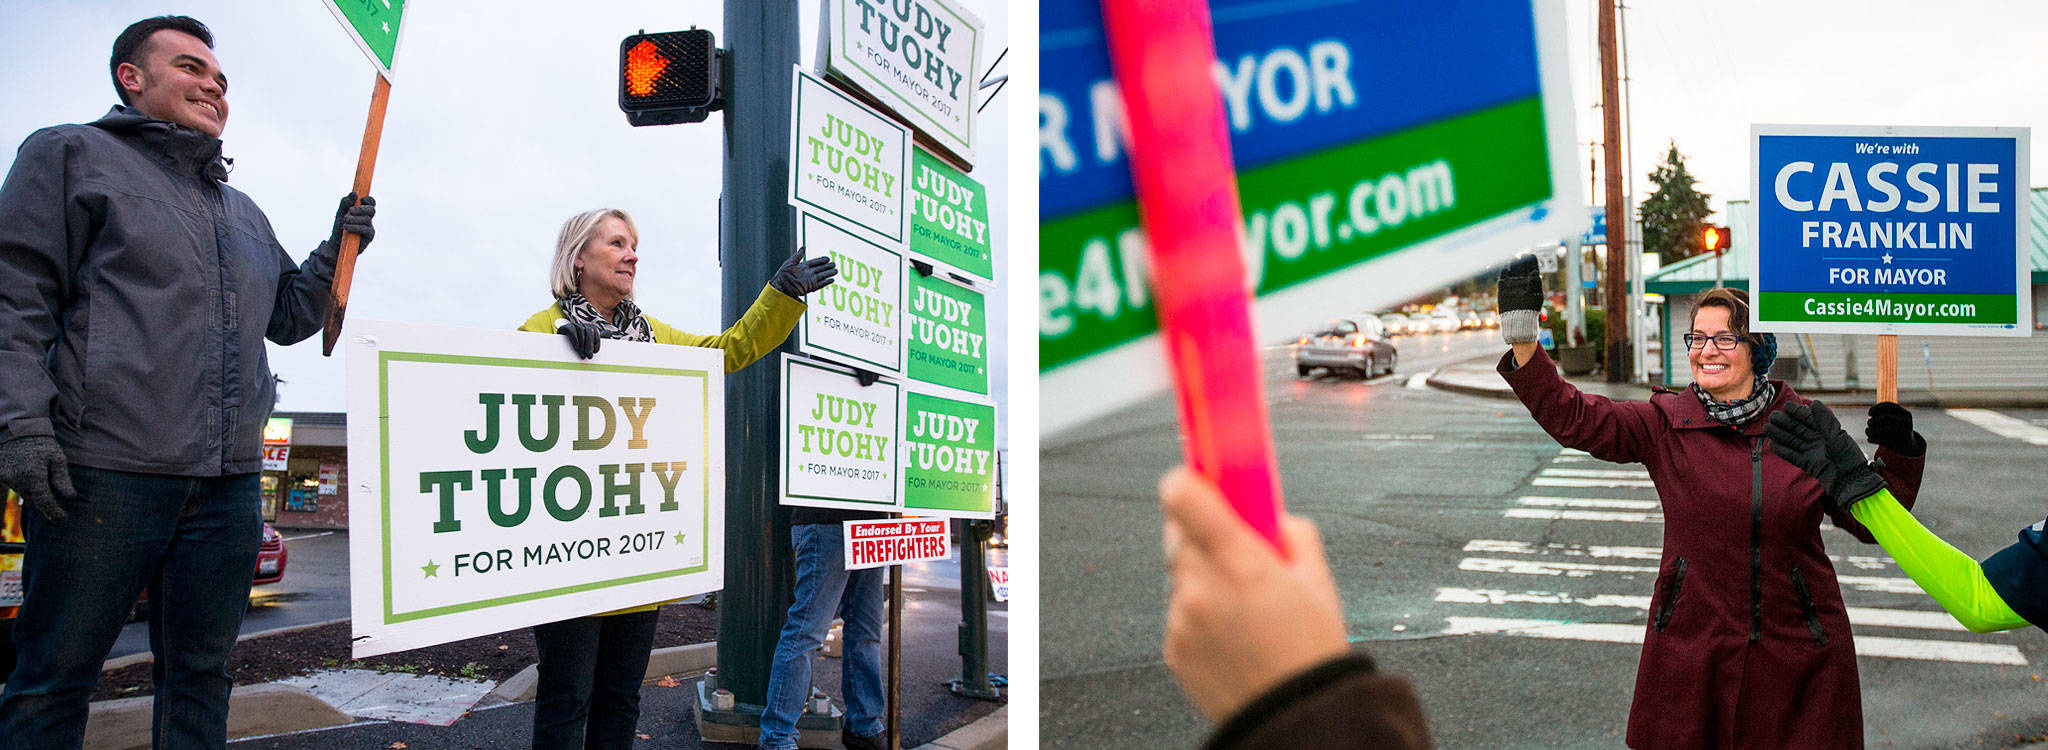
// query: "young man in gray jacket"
[[136, 289]]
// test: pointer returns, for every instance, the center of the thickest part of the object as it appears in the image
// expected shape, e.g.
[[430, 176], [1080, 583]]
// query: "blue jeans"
[[192, 542], [825, 586]]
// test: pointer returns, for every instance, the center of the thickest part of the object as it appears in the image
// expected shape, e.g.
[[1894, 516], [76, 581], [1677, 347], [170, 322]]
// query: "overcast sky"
[[1704, 71], [503, 122]]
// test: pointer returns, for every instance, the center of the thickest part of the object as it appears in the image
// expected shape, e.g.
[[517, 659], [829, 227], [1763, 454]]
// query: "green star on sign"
[[431, 568], [680, 536], [373, 25]]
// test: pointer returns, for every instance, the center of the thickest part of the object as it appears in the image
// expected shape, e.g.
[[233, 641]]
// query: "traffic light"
[[669, 77], [1713, 238]]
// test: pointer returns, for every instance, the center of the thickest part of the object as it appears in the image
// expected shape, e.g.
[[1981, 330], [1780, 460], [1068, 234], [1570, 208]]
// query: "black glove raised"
[[34, 467], [1520, 296], [1809, 437], [798, 277], [1891, 426], [354, 217], [583, 337]]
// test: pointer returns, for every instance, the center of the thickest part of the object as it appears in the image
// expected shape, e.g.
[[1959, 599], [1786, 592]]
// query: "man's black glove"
[[34, 467], [354, 217], [583, 337], [1521, 297], [1891, 426], [798, 277], [1809, 437]]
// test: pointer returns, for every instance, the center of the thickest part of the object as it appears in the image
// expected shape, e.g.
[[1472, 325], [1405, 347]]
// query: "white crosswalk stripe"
[[2003, 426], [1615, 578]]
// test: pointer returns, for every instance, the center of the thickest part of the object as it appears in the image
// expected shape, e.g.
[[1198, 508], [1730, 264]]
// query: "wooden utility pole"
[[1618, 312]]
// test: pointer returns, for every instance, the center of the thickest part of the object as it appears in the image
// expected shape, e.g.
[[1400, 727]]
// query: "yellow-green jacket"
[[764, 326]]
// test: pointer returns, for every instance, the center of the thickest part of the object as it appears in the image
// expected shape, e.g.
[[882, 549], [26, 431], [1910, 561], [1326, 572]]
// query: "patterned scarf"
[[1739, 413], [626, 323]]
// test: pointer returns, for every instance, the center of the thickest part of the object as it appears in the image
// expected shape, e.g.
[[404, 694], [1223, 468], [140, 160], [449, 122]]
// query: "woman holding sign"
[[591, 668], [1748, 641]]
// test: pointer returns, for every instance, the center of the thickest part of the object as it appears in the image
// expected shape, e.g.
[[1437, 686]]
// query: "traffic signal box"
[[1714, 238], [669, 77]]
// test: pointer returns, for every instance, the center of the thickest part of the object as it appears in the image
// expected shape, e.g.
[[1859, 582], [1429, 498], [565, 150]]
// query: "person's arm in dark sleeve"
[[303, 293], [38, 228], [1608, 430], [1341, 703]]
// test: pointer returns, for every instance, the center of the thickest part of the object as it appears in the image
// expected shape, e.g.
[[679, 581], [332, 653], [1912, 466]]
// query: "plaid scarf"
[[627, 323], [1739, 413]]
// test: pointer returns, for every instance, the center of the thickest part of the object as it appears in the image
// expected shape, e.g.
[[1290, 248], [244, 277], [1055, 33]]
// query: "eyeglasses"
[[1723, 342]]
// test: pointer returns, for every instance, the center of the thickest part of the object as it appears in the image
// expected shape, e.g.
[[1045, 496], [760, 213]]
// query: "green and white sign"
[[499, 482], [858, 320], [948, 334], [949, 218], [949, 456], [916, 57], [839, 438], [850, 161], [373, 24], [1363, 177]]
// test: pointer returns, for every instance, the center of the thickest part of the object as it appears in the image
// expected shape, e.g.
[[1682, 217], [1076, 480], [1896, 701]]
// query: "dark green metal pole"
[[755, 233], [973, 681]]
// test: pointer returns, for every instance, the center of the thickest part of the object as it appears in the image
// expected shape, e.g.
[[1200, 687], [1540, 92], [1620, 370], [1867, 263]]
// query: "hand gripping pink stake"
[[1162, 53]]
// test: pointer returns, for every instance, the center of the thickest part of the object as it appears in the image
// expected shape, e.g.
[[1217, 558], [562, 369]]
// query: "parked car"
[[1359, 345], [1443, 321], [1396, 324]]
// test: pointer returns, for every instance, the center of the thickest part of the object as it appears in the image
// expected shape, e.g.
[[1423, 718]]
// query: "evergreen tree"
[[1672, 216]]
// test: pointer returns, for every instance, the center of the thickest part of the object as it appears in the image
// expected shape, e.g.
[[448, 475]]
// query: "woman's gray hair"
[[576, 232]]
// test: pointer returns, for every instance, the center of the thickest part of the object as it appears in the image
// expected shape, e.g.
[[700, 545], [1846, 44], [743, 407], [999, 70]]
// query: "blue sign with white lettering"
[[1889, 230]]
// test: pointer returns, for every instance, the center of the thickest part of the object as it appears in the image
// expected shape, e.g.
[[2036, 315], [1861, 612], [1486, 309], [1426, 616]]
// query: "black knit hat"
[[1763, 351]]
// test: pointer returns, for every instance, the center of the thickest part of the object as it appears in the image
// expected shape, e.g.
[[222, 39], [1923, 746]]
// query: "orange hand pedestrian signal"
[[643, 65], [1714, 238], [669, 77]]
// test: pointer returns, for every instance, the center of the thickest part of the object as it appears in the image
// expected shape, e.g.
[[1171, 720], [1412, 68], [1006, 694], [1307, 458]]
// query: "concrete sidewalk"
[[1478, 377]]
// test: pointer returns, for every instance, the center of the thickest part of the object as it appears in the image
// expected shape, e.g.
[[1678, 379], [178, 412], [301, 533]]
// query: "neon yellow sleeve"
[[1955, 580]]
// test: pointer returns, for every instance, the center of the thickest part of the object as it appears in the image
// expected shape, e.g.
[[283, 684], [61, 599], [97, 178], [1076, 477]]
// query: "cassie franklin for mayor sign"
[[916, 56], [849, 160], [1888, 230], [512, 488], [874, 544]]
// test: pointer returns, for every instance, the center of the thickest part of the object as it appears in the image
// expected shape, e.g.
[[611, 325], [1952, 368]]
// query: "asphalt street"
[[1506, 577], [314, 589]]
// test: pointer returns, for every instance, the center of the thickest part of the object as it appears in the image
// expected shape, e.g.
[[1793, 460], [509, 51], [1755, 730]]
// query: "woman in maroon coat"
[[1748, 642]]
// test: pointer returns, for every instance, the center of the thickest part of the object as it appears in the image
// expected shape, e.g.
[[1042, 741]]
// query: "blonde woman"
[[591, 667]]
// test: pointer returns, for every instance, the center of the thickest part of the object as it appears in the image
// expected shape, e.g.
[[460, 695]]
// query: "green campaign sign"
[[949, 456], [949, 218], [948, 333], [916, 57], [373, 24]]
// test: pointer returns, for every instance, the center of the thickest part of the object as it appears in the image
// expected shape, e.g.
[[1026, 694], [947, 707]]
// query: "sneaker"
[[876, 741]]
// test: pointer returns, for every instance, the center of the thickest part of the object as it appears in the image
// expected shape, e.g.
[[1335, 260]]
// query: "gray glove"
[[34, 467], [1521, 298], [798, 277], [354, 218], [1809, 437]]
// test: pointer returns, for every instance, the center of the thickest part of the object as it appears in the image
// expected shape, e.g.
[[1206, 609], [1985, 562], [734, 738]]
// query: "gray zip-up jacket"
[[136, 289]]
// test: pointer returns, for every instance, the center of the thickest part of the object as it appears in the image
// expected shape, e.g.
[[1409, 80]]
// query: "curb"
[[270, 708], [991, 732], [146, 657], [1469, 390], [674, 660]]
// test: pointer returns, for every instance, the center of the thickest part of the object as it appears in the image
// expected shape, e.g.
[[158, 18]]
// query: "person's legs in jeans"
[[80, 578], [820, 577], [622, 652], [196, 602], [561, 704], [860, 665]]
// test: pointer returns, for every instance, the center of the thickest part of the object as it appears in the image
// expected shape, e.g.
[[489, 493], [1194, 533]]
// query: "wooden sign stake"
[[345, 267], [1887, 368]]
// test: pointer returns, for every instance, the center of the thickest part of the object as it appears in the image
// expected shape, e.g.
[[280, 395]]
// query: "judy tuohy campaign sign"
[[1891, 230], [499, 482], [916, 57], [858, 320], [848, 162], [884, 446], [1382, 148]]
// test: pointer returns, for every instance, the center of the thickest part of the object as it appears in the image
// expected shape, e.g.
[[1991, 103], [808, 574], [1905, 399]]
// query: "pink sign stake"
[[1162, 53]]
